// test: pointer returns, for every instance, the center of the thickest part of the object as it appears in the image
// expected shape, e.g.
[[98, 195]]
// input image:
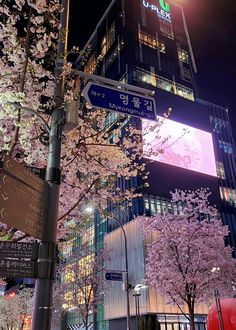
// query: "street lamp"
[[137, 293]]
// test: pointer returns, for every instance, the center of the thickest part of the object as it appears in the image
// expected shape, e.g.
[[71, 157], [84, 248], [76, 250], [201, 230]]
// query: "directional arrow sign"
[[23, 174], [115, 99], [114, 276], [22, 207]]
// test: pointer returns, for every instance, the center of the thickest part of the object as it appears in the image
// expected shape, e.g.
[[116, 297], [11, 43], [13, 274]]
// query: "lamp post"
[[218, 304], [137, 293], [42, 311], [127, 285]]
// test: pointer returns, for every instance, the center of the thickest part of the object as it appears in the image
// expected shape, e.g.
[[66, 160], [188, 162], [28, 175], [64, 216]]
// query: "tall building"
[[146, 43]]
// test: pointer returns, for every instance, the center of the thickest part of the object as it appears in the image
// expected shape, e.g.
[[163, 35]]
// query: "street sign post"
[[114, 276], [22, 207], [117, 100]]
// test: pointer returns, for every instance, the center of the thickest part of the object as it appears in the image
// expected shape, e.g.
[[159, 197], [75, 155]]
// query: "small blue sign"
[[114, 276], [113, 99]]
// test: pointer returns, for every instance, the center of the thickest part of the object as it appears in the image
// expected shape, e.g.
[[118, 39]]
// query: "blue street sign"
[[114, 276], [117, 100]]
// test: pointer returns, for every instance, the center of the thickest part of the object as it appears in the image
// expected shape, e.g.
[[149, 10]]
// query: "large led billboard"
[[183, 146]]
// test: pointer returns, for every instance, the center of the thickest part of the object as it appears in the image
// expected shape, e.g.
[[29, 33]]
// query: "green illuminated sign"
[[165, 6], [162, 9]]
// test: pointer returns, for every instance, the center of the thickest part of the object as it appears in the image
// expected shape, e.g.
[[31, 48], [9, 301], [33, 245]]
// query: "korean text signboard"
[[19, 250], [112, 276], [117, 100], [17, 268], [18, 259]]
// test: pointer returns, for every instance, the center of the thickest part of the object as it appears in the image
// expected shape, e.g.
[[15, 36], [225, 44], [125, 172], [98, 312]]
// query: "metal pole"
[[138, 296], [42, 310], [136, 309], [126, 273]]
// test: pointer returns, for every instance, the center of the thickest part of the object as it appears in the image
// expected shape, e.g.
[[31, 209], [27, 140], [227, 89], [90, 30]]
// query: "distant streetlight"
[[137, 293]]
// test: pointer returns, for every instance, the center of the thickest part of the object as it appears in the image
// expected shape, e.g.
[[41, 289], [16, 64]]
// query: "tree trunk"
[[191, 316]]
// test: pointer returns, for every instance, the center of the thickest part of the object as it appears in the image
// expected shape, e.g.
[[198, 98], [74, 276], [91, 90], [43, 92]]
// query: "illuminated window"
[[150, 41], [68, 299], [228, 195], [108, 39], [166, 29], [85, 265], [104, 46], [217, 124], [156, 204], [220, 170], [85, 295], [226, 147], [183, 56], [66, 249], [146, 77], [69, 274], [91, 64], [88, 236]]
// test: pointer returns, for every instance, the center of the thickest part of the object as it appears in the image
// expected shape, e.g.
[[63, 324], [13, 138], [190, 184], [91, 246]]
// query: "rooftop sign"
[[161, 8]]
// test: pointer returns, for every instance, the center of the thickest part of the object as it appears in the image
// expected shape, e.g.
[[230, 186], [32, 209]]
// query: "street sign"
[[117, 100], [114, 276], [23, 174], [17, 268], [19, 250], [22, 207]]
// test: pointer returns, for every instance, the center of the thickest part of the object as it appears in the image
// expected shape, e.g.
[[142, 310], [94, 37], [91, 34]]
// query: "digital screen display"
[[183, 146]]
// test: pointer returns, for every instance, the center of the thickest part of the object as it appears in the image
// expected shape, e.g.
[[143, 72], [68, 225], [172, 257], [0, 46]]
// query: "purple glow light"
[[186, 147]]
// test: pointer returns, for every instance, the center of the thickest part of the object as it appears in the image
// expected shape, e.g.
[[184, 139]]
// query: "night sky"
[[212, 29]]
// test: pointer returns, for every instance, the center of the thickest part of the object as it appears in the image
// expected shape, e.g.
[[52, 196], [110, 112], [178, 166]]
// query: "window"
[[88, 236], [226, 146], [217, 124], [220, 170], [85, 295], [186, 74], [108, 39], [166, 29], [146, 77], [68, 299], [228, 195], [85, 265], [150, 41], [183, 56], [69, 275], [157, 204], [91, 64]]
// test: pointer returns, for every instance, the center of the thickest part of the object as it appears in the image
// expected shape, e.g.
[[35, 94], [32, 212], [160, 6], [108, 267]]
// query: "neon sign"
[[162, 10]]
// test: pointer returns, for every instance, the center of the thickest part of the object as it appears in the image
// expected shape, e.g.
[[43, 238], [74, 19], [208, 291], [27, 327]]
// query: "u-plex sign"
[[160, 7]]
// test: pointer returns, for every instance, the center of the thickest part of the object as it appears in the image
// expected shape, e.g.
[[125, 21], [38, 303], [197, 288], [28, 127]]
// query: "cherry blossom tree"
[[186, 254], [95, 153], [80, 283], [15, 308]]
